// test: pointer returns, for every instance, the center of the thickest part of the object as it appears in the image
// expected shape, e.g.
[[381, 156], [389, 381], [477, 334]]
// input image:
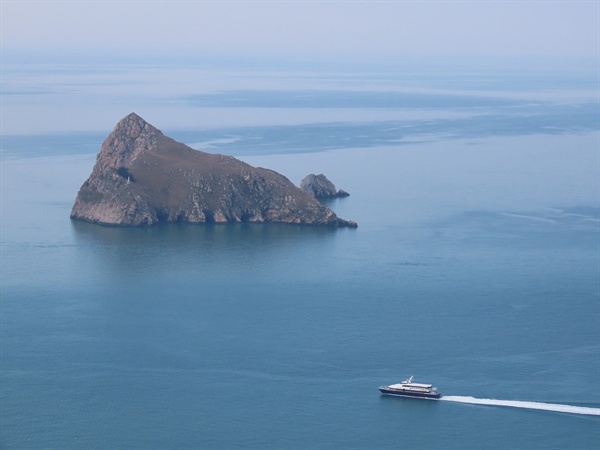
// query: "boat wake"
[[528, 405]]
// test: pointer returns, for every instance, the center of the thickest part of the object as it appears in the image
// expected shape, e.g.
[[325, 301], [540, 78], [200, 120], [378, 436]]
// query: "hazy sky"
[[304, 28]]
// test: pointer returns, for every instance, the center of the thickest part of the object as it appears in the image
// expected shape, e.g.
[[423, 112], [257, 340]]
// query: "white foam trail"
[[528, 405]]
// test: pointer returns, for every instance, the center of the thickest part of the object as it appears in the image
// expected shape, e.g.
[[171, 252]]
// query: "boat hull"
[[397, 393]]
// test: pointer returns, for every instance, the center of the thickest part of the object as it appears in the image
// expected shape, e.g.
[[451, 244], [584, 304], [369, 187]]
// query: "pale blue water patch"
[[344, 99], [47, 94], [319, 136], [484, 116], [40, 145], [311, 137]]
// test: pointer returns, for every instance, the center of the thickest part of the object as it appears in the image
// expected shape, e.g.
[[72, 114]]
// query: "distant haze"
[[345, 29]]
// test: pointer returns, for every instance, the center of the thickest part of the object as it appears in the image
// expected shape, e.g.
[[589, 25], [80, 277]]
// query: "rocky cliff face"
[[142, 177], [320, 187]]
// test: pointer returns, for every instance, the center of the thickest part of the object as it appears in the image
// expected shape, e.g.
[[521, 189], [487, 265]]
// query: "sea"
[[475, 265]]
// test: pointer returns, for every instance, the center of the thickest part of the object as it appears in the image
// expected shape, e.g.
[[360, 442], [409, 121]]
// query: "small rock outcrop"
[[142, 177], [320, 187]]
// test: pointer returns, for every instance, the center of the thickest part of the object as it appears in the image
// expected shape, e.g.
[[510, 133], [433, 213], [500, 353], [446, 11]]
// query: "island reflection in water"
[[216, 249]]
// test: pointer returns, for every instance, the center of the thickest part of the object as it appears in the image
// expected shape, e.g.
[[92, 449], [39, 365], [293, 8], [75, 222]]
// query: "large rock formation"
[[142, 177], [320, 187]]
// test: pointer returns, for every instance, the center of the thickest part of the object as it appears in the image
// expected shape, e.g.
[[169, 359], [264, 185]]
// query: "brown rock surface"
[[320, 187], [142, 177]]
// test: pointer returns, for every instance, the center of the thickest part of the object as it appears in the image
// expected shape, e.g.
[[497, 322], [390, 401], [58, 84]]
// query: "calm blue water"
[[475, 267]]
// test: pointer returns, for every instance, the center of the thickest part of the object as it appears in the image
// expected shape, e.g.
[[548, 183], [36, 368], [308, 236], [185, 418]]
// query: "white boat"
[[409, 389]]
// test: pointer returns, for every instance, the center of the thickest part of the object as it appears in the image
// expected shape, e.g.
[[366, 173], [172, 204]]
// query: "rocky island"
[[142, 177], [320, 187]]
